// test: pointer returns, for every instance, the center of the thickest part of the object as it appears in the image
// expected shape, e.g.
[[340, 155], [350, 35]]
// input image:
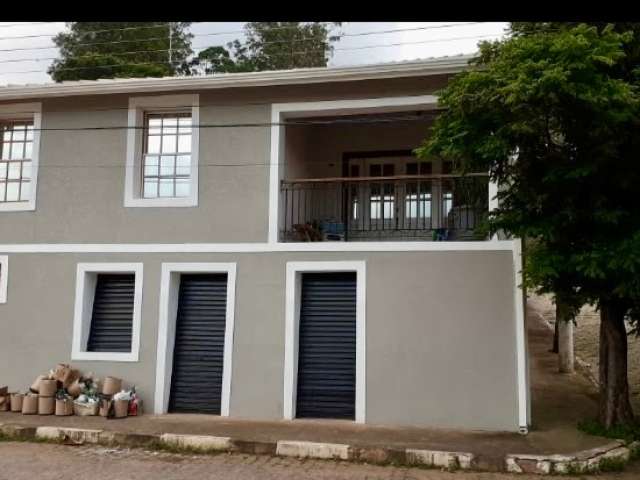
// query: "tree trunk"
[[564, 329], [614, 407]]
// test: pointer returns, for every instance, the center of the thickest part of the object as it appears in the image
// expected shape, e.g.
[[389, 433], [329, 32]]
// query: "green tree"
[[93, 50], [554, 115], [213, 60], [271, 46]]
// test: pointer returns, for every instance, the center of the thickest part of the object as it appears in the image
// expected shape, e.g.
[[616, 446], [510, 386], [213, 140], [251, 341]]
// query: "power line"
[[159, 25], [400, 30], [242, 31], [88, 32], [176, 108], [416, 43], [133, 40], [21, 24], [344, 121], [304, 52]]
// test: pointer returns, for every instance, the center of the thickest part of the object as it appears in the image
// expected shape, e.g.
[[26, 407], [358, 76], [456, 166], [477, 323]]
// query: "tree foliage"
[[553, 113], [92, 50], [271, 46]]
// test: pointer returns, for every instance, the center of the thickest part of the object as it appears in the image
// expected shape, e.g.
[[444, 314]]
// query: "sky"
[[25, 60]]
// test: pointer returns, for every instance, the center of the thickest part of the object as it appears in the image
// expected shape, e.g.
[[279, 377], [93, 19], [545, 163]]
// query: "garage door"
[[327, 346], [196, 380]]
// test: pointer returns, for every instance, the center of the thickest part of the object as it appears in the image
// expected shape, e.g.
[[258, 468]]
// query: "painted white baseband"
[[77, 434], [287, 448], [198, 442], [436, 458], [492, 245]]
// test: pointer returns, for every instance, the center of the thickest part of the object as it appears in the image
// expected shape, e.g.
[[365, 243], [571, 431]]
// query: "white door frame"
[[169, 290], [292, 328]]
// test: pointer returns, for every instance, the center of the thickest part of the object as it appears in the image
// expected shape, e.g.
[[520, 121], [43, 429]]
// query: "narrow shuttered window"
[[112, 315]]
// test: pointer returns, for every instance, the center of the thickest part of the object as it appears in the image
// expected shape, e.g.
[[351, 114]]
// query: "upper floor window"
[[19, 145], [162, 151], [167, 155], [15, 161]]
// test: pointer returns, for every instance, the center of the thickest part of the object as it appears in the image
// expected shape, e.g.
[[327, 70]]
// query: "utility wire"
[[177, 108], [344, 121], [304, 52], [380, 32], [399, 30], [159, 25], [21, 24], [88, 32]]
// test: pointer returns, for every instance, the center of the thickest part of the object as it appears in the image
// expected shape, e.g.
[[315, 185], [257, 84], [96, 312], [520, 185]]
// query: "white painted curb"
[[287, 448], [440, 459], [199, 442], [75, 434]]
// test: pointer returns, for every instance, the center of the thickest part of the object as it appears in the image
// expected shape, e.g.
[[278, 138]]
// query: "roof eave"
[[235, 80]]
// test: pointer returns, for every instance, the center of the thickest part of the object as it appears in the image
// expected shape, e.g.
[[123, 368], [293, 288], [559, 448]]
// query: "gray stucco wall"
[[441, 347], [81, 177]]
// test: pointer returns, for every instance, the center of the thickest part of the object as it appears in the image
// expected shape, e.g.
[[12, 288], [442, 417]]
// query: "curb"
[[586, 461], [282, 448]]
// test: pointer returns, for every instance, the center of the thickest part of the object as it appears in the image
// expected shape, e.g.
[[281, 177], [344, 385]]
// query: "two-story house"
[[261, 245]]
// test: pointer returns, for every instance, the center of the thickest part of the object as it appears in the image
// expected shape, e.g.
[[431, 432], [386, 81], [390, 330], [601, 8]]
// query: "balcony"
[[442, 207]]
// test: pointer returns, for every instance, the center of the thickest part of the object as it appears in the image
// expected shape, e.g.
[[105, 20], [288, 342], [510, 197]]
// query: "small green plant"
[[574, 469], [612, 464], [628, 433], [634, 454]]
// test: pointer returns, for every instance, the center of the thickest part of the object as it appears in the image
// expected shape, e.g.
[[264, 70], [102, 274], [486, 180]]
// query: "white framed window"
[[162, 151], [20, 126], [4, 277], [107, 313]]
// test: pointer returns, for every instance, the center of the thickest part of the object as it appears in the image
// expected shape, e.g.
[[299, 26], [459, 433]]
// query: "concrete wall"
[[440, 331], [81, 176]]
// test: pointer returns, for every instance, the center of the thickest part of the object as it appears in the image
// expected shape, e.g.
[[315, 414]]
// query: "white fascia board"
[[437, 66]]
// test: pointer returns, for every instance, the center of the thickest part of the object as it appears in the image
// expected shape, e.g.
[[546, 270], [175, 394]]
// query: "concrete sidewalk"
[[558, 403]]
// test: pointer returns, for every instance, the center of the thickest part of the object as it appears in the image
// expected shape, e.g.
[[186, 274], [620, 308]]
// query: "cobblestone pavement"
[[20, 461]]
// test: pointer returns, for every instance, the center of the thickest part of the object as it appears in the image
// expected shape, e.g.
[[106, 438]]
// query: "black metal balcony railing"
[[416, 207]]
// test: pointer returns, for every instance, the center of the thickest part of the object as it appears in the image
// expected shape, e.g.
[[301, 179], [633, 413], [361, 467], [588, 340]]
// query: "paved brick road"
[[27, 461]]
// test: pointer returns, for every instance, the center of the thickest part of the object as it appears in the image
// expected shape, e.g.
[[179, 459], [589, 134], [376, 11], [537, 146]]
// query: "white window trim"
[[169, 289], [292, 327], [4, 277], [282, 111], [26, 111], [138, 106], [85, 292]]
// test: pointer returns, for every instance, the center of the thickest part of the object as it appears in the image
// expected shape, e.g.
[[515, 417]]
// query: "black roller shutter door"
[[112, 316], [327, 346], [198, 356]]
